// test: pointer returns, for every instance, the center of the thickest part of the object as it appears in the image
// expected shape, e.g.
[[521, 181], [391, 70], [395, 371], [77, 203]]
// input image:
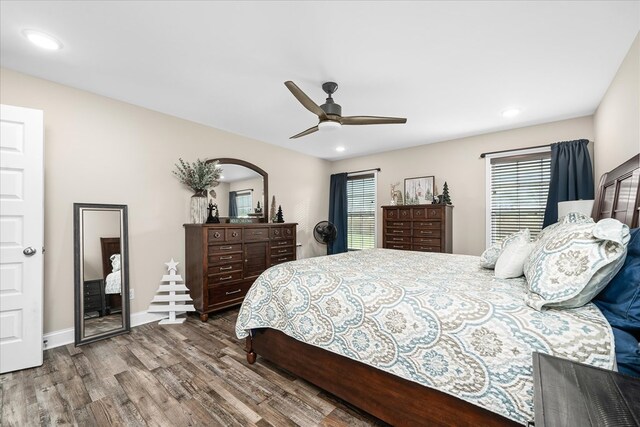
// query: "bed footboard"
[[393, 399]]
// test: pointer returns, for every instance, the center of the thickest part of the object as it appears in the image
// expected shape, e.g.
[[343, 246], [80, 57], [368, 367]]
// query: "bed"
[[361, 335], [111, 270]]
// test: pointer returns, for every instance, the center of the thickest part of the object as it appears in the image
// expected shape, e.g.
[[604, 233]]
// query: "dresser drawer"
[[398, 239], [257, 233], [227, 293], [279, 243], [434, 213], [223, 278], [233, 234], [427, 232], [418, 213], [427, 224], [403, 246], [225, 268], [425, 248], [398, 232], [222, 249], [279, 252], [398, 224], [279, 259], [284, 232], [224, 258], [215, 235], [426, 241]]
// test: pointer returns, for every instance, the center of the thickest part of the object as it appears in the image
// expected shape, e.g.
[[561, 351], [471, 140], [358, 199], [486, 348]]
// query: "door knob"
[[29, 251]]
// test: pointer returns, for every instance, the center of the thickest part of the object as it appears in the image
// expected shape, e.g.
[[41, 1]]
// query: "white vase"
[[199, 207]]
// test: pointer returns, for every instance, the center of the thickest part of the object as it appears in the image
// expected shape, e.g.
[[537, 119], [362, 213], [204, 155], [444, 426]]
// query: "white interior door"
[[21, 237]]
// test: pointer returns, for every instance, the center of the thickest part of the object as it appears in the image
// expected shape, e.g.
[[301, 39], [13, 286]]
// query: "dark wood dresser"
[[426, 228], [223, 260], [94, 298]]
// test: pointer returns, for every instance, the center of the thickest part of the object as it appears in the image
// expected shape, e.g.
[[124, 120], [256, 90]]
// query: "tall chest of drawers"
[[426, 228], [223, 260]]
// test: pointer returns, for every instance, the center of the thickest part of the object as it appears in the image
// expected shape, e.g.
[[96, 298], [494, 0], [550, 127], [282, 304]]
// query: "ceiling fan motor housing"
[[330, 107]]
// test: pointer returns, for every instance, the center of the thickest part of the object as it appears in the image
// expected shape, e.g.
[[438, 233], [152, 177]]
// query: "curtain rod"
[[483, 155], [365, 170], [246, 189]]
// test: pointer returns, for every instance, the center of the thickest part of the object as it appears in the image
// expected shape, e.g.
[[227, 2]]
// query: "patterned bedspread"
[[436, 319]]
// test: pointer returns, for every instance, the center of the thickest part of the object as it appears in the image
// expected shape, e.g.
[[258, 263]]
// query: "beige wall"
[[97, 224], [458, 163], [617, 119], [98, 150]]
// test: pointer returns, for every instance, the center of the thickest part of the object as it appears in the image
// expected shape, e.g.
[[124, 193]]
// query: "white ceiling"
[[449, 67]]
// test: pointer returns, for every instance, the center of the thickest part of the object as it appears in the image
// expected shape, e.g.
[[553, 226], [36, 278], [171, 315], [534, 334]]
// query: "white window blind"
[[361, 212], [244, 203], [519, 186]]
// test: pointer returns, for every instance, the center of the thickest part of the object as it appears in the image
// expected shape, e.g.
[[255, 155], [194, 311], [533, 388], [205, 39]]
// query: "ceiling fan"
[[330, 113]]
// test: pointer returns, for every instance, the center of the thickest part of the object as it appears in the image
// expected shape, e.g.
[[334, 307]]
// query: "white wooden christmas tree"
[[175, 300]]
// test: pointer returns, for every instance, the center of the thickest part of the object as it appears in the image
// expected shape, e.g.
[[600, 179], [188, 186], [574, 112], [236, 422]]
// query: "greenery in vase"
[[199, 175]]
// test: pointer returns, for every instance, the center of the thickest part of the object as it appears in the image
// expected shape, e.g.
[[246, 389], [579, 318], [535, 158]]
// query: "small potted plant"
[[200, 176]]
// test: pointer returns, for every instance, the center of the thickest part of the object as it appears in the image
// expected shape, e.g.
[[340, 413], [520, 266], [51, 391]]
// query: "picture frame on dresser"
[[419, 190]]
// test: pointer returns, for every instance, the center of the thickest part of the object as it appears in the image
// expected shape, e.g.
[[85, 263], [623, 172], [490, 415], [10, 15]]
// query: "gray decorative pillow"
[[574, 263], [490, 256]]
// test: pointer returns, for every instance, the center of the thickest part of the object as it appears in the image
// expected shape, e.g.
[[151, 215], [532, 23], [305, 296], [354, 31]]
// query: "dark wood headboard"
[[618, 194], [110, 246]]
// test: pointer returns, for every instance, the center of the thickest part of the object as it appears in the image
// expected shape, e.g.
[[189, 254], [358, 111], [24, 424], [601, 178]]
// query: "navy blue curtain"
[[571, 176], [338, 212], [233, 206]]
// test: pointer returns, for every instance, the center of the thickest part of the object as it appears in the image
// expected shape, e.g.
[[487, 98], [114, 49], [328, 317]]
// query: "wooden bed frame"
[[401, 402]]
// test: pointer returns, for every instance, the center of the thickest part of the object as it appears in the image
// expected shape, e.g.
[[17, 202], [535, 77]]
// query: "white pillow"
[[490, 256], [510, 264], [571, 266]]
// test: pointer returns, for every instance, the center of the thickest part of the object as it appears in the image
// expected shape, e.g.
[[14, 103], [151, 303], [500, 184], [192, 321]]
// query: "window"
[[244, 203], [361, 211], [518, 185]]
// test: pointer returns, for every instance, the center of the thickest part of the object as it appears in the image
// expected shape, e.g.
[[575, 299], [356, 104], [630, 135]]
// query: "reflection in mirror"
[[101, 271], [242, 191]]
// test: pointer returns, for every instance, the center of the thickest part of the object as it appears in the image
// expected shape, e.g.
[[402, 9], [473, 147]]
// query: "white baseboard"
[[66, 336]]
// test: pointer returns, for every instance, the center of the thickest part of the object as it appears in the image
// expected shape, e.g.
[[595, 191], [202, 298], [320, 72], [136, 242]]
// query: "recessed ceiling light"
[[510, 112], [340, 149], [42, 40]]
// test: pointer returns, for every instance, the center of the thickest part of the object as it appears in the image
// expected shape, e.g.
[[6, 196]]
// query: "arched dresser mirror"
[[101, 271], [242, 186]]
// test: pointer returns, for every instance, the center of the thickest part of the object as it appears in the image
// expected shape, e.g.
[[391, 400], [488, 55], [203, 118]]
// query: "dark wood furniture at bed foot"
[[223, 260], [392, 399], [571, 393], [424, 228], [94, 298]]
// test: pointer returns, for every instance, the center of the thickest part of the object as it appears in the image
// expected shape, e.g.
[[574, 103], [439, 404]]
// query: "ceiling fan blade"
[[372, 120], [305, 100], [306, 132]]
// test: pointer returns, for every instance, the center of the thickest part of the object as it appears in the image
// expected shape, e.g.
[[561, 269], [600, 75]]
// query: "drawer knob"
[[233, 292], [226, 257], [216, 234], [226, 278], [225, 248], [234, 234], [229, 267], [276, 232]]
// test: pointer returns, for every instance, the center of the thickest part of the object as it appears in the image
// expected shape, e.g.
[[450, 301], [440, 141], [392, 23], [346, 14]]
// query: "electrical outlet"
[[132, 294]]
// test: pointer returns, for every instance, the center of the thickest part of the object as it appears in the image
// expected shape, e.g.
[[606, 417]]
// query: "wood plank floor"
[[174, 375]]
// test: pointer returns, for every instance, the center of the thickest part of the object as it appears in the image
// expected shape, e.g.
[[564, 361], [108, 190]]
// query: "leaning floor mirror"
[[101, 271]]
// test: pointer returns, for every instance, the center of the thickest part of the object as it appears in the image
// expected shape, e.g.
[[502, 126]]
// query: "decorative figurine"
[[279, 217], [446, 200], [272, 213], [211, 219], [258, 208]]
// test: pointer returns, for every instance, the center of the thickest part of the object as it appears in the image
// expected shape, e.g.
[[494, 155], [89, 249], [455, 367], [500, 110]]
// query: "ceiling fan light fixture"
[[329, 125], [42, 40]]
